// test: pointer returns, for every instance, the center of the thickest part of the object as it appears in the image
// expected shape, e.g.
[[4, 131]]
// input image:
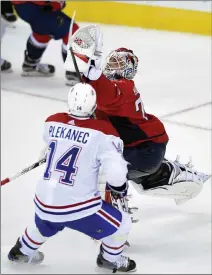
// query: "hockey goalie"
[[144, 135]]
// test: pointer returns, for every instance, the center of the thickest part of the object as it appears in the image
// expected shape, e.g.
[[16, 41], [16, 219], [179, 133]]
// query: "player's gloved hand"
[[118, 197]]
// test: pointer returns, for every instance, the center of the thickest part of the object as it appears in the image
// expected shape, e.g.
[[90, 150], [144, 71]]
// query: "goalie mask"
[[121, 63]]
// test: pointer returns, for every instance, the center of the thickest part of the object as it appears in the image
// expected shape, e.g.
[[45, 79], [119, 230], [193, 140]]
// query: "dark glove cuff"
[[119, 190]]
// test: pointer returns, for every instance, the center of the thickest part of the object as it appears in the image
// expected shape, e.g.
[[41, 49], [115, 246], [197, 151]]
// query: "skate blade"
[[7, 71], [36, 74], [103, 270], [22, 264]]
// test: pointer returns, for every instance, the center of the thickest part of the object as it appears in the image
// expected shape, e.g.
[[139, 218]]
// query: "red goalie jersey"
[[119, 102]]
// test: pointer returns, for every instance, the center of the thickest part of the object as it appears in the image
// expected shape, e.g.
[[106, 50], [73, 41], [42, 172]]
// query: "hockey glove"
[[118, 196], [86, 44]]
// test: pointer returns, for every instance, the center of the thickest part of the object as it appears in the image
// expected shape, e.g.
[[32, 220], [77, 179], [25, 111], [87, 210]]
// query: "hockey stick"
[[71, 50], [24, 171], [75, 65]]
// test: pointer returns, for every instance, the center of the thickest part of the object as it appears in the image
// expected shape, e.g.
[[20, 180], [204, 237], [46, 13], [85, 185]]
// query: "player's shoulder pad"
[[59, 117], [103, 126]]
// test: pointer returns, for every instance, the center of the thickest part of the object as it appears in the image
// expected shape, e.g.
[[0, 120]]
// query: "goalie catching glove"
[[86, 43]]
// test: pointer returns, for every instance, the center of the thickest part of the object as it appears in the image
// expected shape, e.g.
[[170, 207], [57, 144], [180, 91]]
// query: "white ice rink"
[[174, 80]]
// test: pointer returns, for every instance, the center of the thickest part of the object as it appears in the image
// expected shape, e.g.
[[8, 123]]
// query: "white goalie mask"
[[82, 100], [121, 63]]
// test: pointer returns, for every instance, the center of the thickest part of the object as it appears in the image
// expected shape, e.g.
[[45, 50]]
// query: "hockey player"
[[6, 66], [67, 195], [144, 135], [7, 17], [47, 22]]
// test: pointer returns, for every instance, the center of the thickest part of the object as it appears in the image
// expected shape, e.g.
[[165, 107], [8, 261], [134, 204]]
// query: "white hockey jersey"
[[76, 150]]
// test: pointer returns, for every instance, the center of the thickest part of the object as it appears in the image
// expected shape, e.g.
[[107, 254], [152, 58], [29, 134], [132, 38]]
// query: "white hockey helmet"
[[82, 100], [121, 63]]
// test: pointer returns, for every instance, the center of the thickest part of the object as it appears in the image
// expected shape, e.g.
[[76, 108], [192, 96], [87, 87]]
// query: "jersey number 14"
[[66, 164]]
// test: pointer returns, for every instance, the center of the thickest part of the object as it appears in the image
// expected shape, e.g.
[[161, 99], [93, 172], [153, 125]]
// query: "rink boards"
[[190, 18]]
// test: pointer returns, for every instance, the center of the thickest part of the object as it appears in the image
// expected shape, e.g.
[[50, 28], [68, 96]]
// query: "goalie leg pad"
[[179, 191], [172, 180]]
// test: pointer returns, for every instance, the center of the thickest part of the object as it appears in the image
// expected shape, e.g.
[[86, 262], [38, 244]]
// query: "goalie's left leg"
[[172, 180]]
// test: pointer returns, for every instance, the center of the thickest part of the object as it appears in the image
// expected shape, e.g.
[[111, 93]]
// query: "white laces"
[[42, 67], [122, 262], [35, 257]]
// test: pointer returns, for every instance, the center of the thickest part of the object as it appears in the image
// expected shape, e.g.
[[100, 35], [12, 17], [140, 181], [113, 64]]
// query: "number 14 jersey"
[[77, 148]]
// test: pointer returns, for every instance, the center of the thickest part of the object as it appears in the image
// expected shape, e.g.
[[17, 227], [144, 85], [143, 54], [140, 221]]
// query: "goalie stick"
[[71, 50], [75, 65], [24, 171]]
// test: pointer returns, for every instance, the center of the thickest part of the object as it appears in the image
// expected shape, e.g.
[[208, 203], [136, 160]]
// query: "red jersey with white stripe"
[[56, 5], [120, 103], [76, 150]]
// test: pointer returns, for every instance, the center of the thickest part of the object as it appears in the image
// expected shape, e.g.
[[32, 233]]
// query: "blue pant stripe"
[[28, 244], [112, 253]]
